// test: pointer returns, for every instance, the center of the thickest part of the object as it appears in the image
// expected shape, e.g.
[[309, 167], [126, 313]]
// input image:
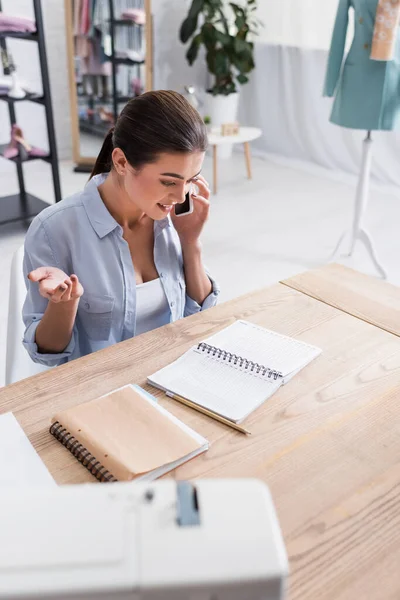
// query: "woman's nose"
[[181, 194]]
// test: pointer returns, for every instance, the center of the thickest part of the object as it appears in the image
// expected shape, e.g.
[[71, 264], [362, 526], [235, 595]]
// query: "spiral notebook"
[[233, 372], [126, 435]]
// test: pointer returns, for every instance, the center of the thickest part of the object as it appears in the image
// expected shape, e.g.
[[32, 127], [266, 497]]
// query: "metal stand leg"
[[358, 232], [48, 103]]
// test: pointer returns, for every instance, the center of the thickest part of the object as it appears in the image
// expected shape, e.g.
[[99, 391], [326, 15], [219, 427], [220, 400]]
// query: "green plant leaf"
[[244, 66], [210, 59], [196, 8], [242, 78], [224, 20], [209, 34], [241, 46], [240, 22], [188, 28], [221, 63], [229, 56], [223, 38], [193, 51]]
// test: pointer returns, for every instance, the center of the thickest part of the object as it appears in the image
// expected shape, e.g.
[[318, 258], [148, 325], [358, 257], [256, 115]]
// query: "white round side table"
[[245, 136]]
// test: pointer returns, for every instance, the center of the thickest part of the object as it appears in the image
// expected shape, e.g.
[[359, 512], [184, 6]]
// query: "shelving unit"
[[23, 206]]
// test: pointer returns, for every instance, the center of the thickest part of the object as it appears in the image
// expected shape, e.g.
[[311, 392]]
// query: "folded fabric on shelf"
[[17, 24], [137, 15]]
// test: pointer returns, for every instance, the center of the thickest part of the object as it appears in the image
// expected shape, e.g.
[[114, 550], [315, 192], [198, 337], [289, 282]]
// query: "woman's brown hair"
[[151, 124]]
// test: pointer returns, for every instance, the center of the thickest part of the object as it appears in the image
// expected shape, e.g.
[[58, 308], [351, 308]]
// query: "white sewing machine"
[[210, 540]]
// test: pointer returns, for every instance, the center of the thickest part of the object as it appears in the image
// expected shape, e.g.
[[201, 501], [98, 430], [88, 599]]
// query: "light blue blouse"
[[79, 235]]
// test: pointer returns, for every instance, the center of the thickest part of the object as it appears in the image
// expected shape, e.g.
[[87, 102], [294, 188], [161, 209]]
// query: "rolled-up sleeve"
[[192, 307], [39, 253]]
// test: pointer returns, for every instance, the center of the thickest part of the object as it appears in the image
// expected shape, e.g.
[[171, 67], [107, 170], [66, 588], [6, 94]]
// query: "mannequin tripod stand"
[[358, 232]]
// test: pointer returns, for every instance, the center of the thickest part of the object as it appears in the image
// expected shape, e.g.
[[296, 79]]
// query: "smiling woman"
[[114, 260]]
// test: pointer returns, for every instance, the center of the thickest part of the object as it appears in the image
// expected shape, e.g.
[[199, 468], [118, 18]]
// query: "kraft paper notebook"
[[233, 372], [126, 435]]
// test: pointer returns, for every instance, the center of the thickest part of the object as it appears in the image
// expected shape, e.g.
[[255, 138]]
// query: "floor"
[[287, 219]]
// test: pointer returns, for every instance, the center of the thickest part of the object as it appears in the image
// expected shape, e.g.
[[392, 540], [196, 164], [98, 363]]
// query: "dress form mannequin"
[[366, 88]]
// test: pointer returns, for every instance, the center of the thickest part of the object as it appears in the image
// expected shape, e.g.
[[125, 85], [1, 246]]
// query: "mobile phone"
[[185, 208]]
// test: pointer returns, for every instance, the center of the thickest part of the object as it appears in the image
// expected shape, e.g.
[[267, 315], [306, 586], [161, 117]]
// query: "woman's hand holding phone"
[[189, 226]]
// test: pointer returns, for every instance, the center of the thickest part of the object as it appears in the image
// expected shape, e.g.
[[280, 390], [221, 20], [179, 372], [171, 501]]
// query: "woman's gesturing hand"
[[55, 285]]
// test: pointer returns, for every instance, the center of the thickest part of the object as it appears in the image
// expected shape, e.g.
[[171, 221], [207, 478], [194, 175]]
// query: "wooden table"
[[327, 444]]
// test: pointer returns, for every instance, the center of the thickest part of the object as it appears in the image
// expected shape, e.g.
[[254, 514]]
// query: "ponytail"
[[104, 159]]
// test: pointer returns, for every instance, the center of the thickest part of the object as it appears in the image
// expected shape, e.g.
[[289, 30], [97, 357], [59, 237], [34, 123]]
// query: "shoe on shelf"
[[18, 146], [106, 115], [132, 55], [135, 55]]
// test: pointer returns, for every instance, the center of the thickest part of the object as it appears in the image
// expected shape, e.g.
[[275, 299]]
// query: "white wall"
[[171, 70]]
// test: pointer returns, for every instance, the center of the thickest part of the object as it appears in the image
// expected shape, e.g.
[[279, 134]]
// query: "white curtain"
[[284, 96], [299, 23]]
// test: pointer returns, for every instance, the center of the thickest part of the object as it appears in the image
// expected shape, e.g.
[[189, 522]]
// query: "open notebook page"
[[265, 347], [216, 385]]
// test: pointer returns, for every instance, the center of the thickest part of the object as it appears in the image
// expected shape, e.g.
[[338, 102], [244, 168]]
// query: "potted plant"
[[226, 31]]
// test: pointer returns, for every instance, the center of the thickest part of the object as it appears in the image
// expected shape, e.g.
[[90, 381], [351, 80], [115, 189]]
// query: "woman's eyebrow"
[[179, 176]]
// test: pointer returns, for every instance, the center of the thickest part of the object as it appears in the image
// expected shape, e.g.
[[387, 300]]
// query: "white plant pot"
[[221, 110]]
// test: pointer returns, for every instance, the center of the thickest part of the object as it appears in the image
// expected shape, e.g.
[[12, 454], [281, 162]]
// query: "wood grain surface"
[[370, 299]]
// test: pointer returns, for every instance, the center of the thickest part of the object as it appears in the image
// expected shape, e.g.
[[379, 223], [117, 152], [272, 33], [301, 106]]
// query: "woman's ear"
[[119, 161]]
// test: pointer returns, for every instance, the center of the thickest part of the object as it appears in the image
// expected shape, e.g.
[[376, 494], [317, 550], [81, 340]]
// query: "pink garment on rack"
[[82, 46], [89, 52], [137, 15], [85, 17], [77, 16], [14, 23]]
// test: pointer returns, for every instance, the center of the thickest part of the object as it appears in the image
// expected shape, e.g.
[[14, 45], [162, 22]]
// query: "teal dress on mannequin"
[[367, 92]]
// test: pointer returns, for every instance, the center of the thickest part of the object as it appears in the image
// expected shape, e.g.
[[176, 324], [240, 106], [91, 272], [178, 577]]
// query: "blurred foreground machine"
[[207, 540]]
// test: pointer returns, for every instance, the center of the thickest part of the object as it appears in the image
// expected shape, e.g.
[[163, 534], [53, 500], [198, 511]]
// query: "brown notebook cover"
[[124, 436]]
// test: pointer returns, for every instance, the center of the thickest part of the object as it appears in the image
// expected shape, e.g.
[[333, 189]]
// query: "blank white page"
[[20, 464], [214, 384], [265, 347]]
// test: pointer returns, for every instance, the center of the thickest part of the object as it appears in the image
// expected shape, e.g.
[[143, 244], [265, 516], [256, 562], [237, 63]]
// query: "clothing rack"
[[24, 205]]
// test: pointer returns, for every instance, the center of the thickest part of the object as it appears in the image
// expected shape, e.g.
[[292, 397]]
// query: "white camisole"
[[152, 309]]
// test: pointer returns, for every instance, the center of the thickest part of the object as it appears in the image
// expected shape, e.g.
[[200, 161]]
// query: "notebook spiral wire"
[[239, 361], [80, 452]]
